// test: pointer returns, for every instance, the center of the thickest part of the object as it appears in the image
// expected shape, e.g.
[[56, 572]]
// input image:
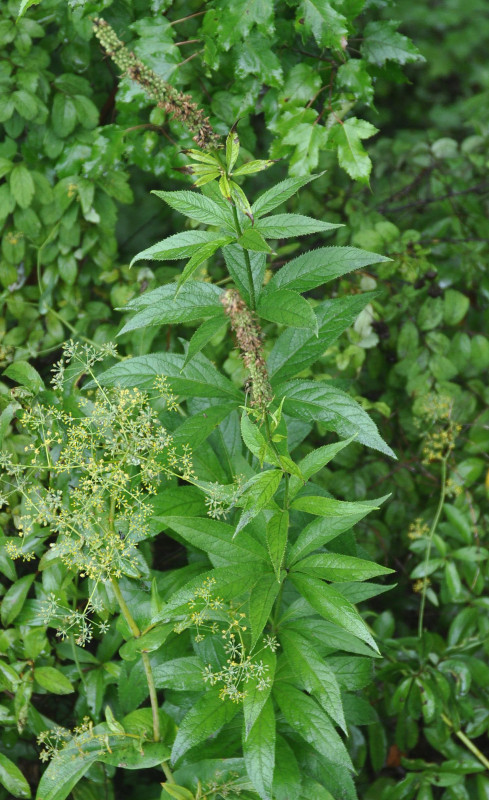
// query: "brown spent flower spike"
[[180, 106]]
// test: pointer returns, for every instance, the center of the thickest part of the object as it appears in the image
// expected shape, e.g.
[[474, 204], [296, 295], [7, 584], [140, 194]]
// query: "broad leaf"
[[284, 226], [332, 606], [180, 245], [320, 266], [164, 306], [382, 42], [338, 567], [312, 723], [198, 428], [279, 194], [295, 350], [259, 751], [216, 538], [205, 718], [180, 674], [64, 772], [319, 18], [311, 400], [11, 778], [22, 185], [53, 680], [198, 207], [24, 373], [198, 379], [352, 157], [287, 308]]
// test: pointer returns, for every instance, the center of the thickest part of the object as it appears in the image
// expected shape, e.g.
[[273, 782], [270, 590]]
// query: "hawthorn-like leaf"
[[314, 400], [352, 157], [256, 57], [382, 42], [322, 20], [320, 266]]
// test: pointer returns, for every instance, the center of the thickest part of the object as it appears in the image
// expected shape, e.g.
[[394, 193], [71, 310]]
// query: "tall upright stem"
[[430, 540], [133, 627], [249, 271]]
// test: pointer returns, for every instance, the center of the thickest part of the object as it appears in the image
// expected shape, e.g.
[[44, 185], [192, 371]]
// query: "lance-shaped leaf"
[[203, 336], [313, 400], [287, 308], [306, 716], [284, 226], [165, 307], [256, 494], [216, 538], [297, 349], [328, 506], [204, 252], [262, 598], [198, 207], [279, 194], [198, 428], [277, 533], [205, 718], [180, 245], [332, 606], [252, 239], [198, 379], [314, 673], [338, 567], [314, 462], [259, 751], [257, 694], [234, 257], [11, 778], [320, 266], [181, 674]]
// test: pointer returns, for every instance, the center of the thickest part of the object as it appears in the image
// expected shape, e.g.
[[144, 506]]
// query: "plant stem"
[[247, 261], [430, 541], [467, 742], [146, 662], [168, 773]]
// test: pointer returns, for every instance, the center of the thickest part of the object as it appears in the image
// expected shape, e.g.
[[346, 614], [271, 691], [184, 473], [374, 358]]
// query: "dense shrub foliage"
[[244, 551]]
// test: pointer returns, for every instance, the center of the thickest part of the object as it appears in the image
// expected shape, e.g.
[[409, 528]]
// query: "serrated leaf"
[[277, 533], [184, 674], [297, 349], [202, 254], [306, 717], [279, 194], [262, 598], [352, 157], [21, 185], [198, 379], [338, 567], [24, 373], [287, 308], [215, 537], [11, 778], [253, 166], [284, 226], [259, 751], [257, 494], [256, 695], [205, 718], [310, 400], [315, 461], [203, 336], [320, 266], [255, 57], [197, 206], [314, 673], [236, 264], [252, 239], [319, 18], [232, 150], [53, 680], [180, 245], [164, 306], [198, 427], [329, 506], [382, 42], [332, 606]]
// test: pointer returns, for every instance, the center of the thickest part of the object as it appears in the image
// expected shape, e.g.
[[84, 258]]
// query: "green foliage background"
[[397, 122]]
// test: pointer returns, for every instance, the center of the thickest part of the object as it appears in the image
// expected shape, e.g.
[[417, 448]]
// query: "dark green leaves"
[[11, 778], [164, 306], [259, 751], [206, 717], [382, 42], [287, 308], [347, 137], [321, 266], [180, 245]]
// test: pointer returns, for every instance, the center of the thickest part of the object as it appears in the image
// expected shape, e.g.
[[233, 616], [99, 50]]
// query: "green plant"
[[257, 641]]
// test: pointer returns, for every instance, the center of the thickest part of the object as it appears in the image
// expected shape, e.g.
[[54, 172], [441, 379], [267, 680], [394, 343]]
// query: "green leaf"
[[164, 306], [306, 717], [232, 150], [53, 680], [295, 350], [86, 111], [355, 78], [319, 18], [25, 5], [310, 400], [328, 506], [11, 778], [216, 538], [253, 166], [320, 266], [259, 751], [314, 462], [308, 140], [337, 567], [25, 104], [14, 598], [256, 695], [63, 773], [279, 194], [181, 674], [21, 185], [321, 531], [205, 718], [332, 606], [287, 781], [287, 308], [198, 379], [277, 533], [314, 673], [197, 206], [24, 373], [257, 494], [284, 226], [455, 306], [352, 157], [180, 245], [253, 240], [261, 602], [234, 257], [197, 428], [64, 116], [203, 336], [202, 254], [382, 42], [255, 57]]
